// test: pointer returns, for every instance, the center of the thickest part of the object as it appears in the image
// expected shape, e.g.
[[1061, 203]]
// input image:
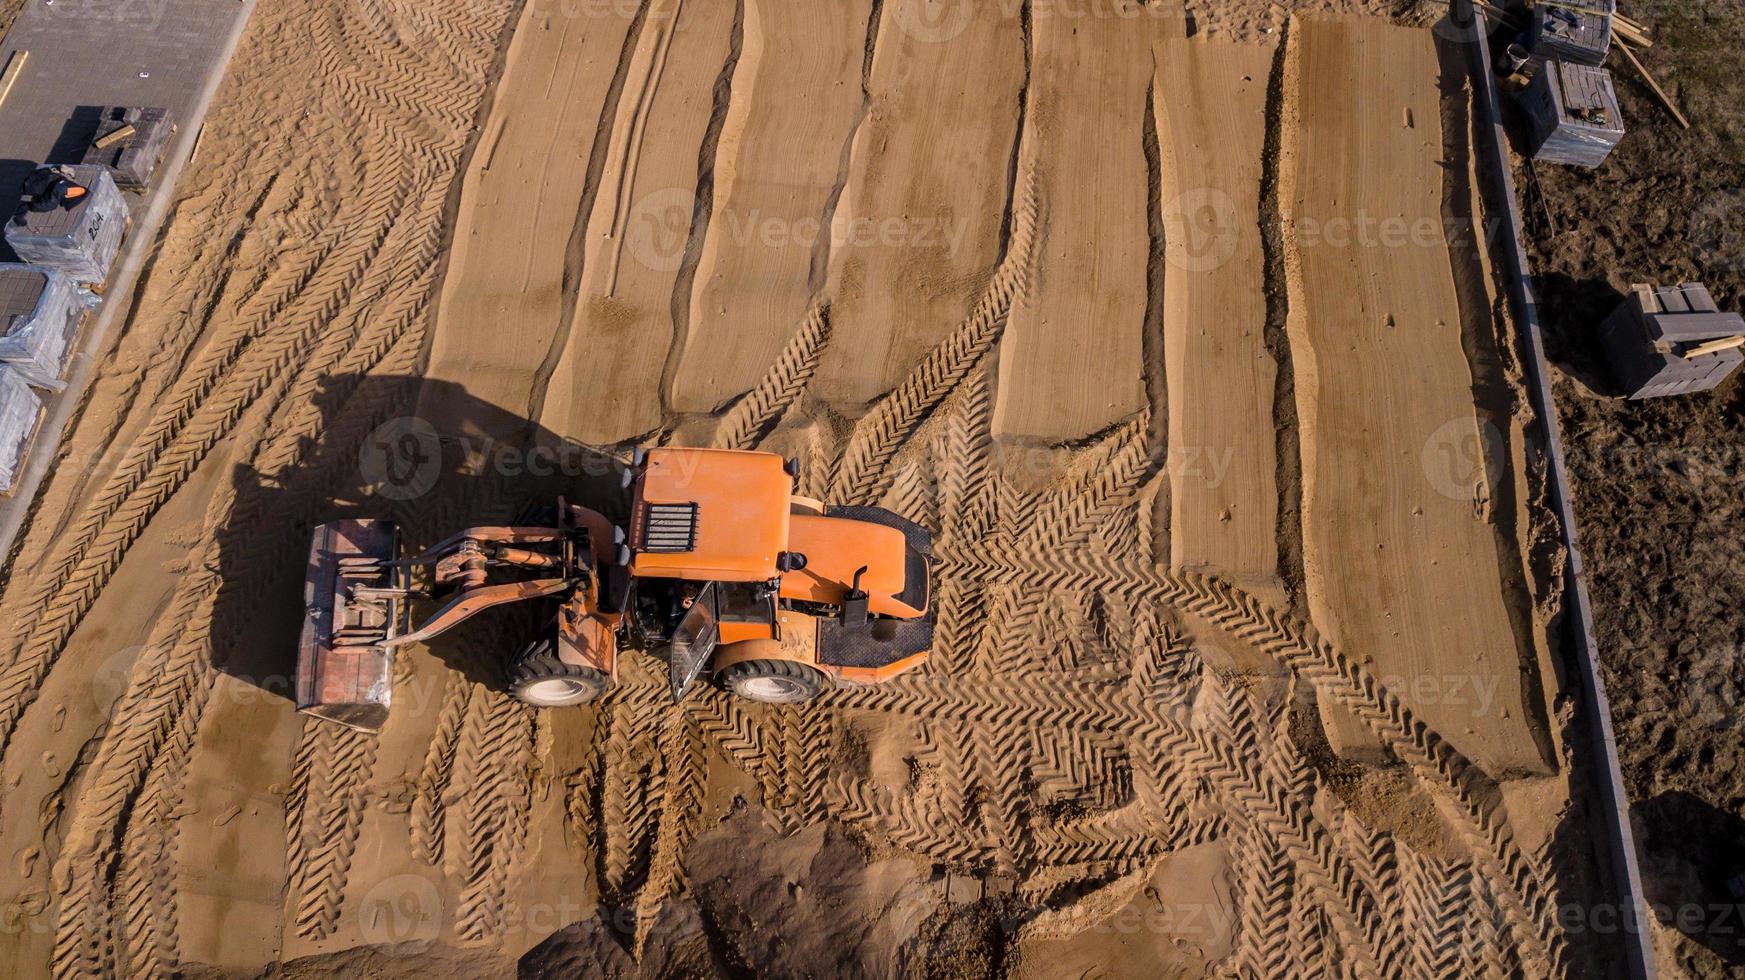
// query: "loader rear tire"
[[773, 681], [537, 677]]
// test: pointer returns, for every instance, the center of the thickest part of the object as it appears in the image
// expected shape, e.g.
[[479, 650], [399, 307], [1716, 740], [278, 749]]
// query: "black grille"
[[669, 528]]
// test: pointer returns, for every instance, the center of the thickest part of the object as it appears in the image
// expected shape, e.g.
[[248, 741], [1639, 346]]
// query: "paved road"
[[85, 54]]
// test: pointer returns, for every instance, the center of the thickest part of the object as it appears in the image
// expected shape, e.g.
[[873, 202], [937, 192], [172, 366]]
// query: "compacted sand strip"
[[1071, 361], [1211, 102], [919, 223], [605, 386], [795, 101], [1399, 563], [520, 202]]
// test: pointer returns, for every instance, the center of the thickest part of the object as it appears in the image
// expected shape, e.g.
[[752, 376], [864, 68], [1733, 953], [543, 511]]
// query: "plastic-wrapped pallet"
[[40, 313], [130, 140], [1574, 30], [1574, 114], [1663, 341], [81, 240], [20, 411]]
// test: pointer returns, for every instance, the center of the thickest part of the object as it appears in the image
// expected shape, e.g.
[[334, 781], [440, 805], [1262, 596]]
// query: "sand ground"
[[437, 262]]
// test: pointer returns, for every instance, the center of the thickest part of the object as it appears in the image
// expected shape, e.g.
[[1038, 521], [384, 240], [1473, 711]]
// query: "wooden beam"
[[1664, 98], [1714, 347], [14, 66], [1631, 35], [110, 139]]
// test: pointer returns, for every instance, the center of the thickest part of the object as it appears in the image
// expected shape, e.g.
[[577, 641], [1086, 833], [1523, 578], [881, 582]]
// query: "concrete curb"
[[1613, 823]]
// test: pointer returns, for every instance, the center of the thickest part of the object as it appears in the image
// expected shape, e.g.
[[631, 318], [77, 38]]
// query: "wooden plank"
[[1210, 103], [1714, 347], [1403, 564], [110, 139], [14, 67], [1648, 77]]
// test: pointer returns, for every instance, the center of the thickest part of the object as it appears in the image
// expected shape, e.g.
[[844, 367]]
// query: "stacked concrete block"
[[1578, 31], [134, 156], [20, 412], [1661, 341], [41, 311], [1573, 114], [81, 240]]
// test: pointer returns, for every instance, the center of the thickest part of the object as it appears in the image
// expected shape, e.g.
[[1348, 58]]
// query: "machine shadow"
[[427, 455], [1571, 312], [1693, 870]]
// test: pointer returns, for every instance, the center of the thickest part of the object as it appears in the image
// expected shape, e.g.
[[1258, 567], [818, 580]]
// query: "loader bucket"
[[344, 674]]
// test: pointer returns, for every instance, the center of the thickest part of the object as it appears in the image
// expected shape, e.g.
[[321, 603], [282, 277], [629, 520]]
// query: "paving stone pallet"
[[1656, 341], [130, 140], [1574, 114], [80, 240]]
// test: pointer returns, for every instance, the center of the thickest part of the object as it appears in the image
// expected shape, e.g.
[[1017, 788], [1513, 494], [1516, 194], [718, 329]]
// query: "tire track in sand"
[[876, 439], [249, 357], [400, 228], [323, 814]]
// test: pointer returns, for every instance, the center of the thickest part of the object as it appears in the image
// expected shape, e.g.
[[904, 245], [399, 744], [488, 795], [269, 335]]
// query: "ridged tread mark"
[[964, 452], [166, 694], [630, 781], [147, 896], [271, 333], [497, 749], [681, 754], [877, 438], [912, 494], [746, 421], [430, 802], [1374, 858], [1481, 821], [1261, 880], [170, 703], [1101, 480], [324, 812]]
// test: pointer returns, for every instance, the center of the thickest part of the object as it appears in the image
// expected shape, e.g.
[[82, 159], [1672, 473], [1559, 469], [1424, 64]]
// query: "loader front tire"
[[537, 677], [773, 681]]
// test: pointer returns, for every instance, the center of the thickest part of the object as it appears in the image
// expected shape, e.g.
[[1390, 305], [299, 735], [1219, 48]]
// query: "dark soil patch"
[[1658, 483]]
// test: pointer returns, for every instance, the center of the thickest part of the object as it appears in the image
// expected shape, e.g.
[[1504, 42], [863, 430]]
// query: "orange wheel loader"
[[722, 569]]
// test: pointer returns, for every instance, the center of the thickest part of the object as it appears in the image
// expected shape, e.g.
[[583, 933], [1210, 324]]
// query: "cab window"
[[746, 602]]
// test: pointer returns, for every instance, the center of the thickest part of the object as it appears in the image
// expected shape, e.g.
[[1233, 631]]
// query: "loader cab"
[[734, 572], [709, 515]]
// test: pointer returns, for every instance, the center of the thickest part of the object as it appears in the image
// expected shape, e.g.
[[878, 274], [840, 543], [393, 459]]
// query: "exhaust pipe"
[[352, 597]]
